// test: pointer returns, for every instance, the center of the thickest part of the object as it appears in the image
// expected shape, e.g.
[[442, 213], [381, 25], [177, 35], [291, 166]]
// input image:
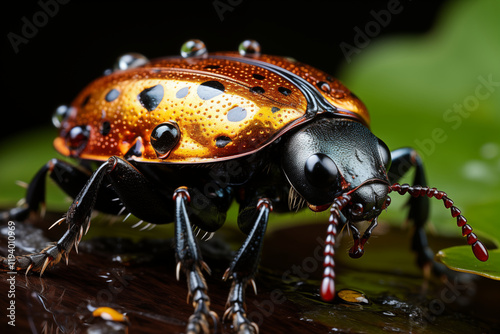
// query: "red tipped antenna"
[[478, 248], [327, 290]]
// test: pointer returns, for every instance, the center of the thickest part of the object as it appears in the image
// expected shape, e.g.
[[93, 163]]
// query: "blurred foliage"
[[440, 93], [412, 86]]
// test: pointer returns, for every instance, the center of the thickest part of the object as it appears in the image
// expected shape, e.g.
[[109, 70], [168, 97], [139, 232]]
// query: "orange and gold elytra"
[[264, 114]]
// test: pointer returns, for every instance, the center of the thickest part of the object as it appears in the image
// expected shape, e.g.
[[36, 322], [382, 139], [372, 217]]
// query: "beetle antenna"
[[478, 248], [327, 290]]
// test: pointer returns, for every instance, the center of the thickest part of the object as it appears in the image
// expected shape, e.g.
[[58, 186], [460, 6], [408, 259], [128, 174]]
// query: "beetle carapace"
[[179, 139]]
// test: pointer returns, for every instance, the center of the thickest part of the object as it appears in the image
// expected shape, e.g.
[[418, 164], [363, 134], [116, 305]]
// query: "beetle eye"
[[320, 170], [385, 154], [357, 209]]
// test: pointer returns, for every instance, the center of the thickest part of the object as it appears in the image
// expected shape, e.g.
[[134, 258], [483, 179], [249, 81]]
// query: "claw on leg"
[[199, 321], [38, 262], [237, 315]]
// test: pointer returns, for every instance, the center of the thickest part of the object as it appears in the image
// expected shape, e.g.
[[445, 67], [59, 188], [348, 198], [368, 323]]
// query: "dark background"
[[81, 39]]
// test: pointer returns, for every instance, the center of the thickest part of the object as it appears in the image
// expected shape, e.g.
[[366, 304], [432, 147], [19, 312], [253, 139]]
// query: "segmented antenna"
[[478, 248], [327, 290]]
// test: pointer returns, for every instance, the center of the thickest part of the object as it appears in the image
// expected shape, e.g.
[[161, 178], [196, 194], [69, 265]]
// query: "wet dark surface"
[[138, 279]]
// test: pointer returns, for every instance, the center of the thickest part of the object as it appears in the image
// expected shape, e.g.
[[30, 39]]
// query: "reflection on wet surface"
[[382, 291]]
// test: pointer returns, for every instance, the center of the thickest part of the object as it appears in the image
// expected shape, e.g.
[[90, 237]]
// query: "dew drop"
[[249, 47], [193, 48], [130, 60], [61, 113], [77, 138], [164, 137]]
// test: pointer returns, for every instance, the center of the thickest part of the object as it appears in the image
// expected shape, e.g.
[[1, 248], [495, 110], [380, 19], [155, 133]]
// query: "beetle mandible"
[[271, 133]]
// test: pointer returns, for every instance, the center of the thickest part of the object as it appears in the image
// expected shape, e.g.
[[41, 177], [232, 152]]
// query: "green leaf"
[[460, 258]]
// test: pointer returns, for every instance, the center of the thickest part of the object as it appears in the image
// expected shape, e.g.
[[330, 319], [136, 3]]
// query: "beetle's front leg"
[[190, 261], [244, 267], [402, 160]]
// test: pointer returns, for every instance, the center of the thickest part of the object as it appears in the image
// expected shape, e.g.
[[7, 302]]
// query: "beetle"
[[179, 139]]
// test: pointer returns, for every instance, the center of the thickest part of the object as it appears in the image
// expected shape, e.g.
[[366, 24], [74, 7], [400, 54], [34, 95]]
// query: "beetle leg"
[[35, 195], [402, 160], [77, 217], [243, 269], [357, 250], [190, 261], [137, 192], [69, 178]]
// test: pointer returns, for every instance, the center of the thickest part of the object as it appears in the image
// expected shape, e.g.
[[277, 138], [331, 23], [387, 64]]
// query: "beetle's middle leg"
[[244, 266]]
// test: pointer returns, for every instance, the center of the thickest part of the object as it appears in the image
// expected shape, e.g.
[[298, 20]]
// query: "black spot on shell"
[[211, 67], [151, 97], [182, 92], [105, 128], [164, 137], [284, 91], [112, 95], [222, 141], [236, 114], [275, 109], [258, 76], [257, 90], [210, 89], [136, 149], [85, 101]]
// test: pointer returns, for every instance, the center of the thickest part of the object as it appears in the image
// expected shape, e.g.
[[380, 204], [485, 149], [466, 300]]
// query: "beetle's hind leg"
[[137, 192], [78, 219], [245, 264], [71, 179], [61, 172]]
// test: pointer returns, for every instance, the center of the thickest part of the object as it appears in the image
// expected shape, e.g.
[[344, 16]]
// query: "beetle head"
[[339, 164], [330, 157]]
